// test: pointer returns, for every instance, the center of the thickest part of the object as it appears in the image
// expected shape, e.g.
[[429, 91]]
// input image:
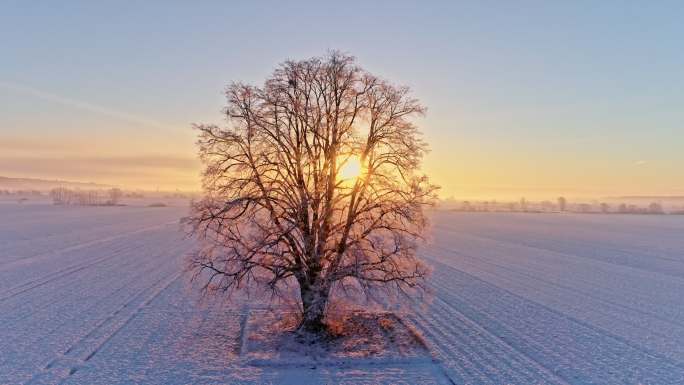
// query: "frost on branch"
[[277, 212]]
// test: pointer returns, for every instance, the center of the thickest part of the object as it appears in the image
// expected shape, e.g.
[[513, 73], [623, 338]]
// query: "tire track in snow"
[[524, 368], [69, 227], [531, 275], [62, 324], [607, 309], [79, 353], [27, 260], [495, 361], [64, 311], [523, 247], [553, 337], [612, 237], [530, 345], [49, 302], [50, 277], [458, 368], [673, 267], [601, 296]]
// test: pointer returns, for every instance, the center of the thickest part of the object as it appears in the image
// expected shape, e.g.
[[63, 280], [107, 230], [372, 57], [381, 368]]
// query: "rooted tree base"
[[370, 338]]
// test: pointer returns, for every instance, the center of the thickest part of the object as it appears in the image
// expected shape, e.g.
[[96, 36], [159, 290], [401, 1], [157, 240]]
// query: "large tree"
[[315, 180]]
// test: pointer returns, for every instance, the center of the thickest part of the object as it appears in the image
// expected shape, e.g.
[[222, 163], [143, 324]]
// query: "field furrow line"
[[78, 354], [497, 350], [567, 355], [25, 260]]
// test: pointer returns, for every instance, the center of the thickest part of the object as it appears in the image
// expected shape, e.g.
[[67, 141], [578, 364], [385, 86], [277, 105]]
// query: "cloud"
[[10, 145], [128, 170], [121, 115], [640, 162], [99, 163]]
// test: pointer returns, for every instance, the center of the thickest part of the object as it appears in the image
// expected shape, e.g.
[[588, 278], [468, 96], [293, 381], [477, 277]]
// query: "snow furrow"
[[659, 329], [82, 351], [93, 296], [572, 344]]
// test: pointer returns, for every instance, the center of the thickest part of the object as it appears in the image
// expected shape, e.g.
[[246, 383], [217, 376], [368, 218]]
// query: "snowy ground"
[[93, 295], [558, 299]]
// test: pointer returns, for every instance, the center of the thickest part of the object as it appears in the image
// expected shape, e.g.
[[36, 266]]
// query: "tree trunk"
[[314, 301]]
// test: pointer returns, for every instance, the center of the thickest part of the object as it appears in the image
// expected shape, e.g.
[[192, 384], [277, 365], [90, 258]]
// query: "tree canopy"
[[315, 181]]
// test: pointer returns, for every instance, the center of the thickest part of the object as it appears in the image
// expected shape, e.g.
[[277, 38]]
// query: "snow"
[[95, 295], [557, 299], [363, 338]]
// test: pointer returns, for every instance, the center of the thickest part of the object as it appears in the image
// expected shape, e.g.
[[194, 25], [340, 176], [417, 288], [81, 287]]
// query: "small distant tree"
[[87, 198], [655, 208], [115, 195], [60, 195], [316, 183], [562, 203]]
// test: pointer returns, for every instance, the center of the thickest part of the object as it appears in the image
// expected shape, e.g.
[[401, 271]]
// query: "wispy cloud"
[[100, 163], [145, 170], [640, 162], [87, 106]]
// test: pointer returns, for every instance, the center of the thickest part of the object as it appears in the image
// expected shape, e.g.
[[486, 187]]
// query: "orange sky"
[[522, 101], [87, 143]]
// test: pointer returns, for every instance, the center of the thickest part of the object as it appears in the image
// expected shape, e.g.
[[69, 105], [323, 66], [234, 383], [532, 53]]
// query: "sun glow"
[[351, 169]]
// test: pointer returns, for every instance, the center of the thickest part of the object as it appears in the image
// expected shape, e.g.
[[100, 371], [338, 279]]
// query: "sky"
[[528, 98]]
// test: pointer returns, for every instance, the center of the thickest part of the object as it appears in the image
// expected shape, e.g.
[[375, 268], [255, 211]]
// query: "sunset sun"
[[439, 192], [351, 169]]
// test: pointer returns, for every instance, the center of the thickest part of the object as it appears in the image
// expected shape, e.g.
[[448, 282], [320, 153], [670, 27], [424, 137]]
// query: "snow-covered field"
[[558, 299], [94, 295]]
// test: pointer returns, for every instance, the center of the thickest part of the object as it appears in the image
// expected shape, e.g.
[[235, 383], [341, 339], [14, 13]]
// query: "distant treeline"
[[65, 196], [20, 193], [91, 197], [560, 205]]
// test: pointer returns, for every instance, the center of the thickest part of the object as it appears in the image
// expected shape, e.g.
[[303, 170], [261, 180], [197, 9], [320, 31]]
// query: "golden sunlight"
[[351, 169]]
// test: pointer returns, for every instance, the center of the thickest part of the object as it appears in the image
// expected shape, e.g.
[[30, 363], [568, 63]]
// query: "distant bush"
[[134, 194], [65, 196]]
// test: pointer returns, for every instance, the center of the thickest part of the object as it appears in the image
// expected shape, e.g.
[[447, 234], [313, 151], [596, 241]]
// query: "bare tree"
[[115, 195], [562, 203], [60, 195], [281, 205]]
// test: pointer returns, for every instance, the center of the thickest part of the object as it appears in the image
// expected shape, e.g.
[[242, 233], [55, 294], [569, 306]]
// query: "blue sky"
[[529, 98]]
